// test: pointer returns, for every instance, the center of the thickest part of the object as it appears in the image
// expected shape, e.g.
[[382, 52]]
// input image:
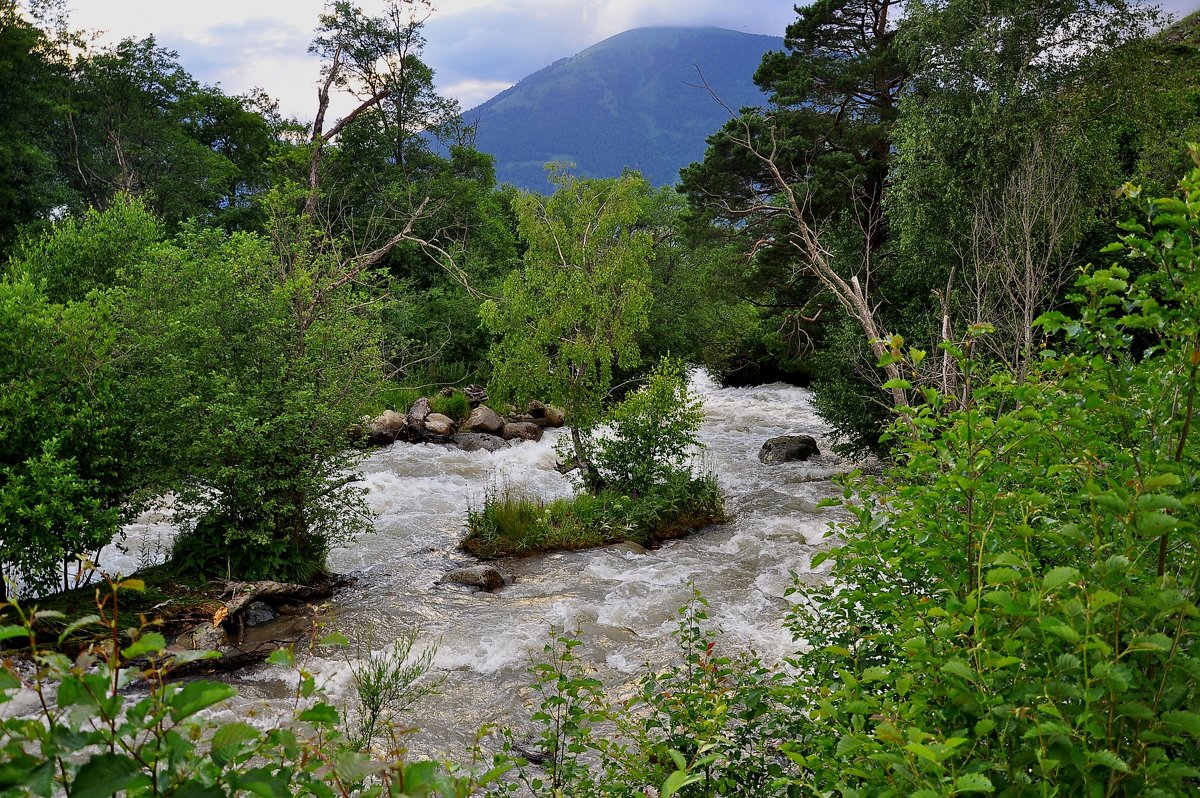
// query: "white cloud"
[[475, 46]]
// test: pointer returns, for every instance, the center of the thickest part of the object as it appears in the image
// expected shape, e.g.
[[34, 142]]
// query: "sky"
[[477, 48]]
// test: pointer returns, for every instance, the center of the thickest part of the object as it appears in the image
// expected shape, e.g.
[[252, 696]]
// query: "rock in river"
[[788, 448]]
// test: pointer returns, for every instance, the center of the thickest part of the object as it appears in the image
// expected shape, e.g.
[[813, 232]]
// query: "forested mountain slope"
[[633, 100]]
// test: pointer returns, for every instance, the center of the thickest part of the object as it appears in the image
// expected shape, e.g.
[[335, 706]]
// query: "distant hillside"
[[633, 100]]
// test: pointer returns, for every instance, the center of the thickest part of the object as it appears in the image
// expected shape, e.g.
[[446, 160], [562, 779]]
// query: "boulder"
[[418, 412], [437, 424], [483, 419], [387, 428], [484, 577], [545, 415], [258, 612], [476, 441], [521, 431], [788, 448], [203, 637]]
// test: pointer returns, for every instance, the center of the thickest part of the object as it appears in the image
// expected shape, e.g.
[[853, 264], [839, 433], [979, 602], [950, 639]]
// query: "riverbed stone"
[[438, 424], [787, 449], [419, 411], [522, 431], [484, 577], [258, 612], [483, 419], [477, 441], [387, 427], [203, 637]]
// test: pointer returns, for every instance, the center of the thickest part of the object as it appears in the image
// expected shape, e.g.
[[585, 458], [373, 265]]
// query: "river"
[[624, 602]]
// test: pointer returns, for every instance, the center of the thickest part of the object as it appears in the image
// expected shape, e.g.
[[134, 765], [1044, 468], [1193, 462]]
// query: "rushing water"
[[625, 602]]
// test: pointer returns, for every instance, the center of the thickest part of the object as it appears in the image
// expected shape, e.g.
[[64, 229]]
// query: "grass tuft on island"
[[511, 524]]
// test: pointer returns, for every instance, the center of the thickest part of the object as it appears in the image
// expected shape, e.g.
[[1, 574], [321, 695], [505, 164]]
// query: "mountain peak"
[[635, 100]]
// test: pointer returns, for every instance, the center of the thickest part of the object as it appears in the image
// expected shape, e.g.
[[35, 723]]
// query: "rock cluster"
[[483, 429]]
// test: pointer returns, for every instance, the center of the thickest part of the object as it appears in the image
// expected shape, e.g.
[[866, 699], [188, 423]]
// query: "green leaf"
[[196, 696], [8, 681], [233, 734], [677, 781], [104, 775], [10, 632], [973, 782], [1109, 760], [320, 713], [148, 643], [282, 657], [78, 624], [334, 639], [999, 576], [1059, 576], [1188, 722], [957, 667]]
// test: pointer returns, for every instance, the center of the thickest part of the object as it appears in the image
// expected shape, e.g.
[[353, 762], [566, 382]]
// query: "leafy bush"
[[1015, 604], [706, 726], [455, 406], [651, 433], [91, 738]]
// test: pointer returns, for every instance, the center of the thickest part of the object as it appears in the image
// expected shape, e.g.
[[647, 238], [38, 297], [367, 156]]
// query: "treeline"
[[200, 297]]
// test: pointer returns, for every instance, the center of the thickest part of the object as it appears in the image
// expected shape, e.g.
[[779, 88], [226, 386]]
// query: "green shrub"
[[651, 433], [1014, 610], [455, 406]]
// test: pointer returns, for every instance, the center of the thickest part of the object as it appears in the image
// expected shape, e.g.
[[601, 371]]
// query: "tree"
[[572, 312], [31, 184], [138, 123], [66, 472], [251, 358], [801, 185]]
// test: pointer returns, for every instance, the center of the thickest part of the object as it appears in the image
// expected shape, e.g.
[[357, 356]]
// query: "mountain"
[[634, 100]]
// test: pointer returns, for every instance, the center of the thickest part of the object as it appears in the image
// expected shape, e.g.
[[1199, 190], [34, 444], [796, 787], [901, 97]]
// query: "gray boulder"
[[476, 441], [545, 415], [418, 412], [203, 637], [787, 449], [438, 424], [483, 419], [388, 428], [522, 431], [484, 577]]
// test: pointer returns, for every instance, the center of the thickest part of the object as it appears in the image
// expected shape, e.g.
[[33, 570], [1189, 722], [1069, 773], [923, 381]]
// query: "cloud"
[[476, 47]]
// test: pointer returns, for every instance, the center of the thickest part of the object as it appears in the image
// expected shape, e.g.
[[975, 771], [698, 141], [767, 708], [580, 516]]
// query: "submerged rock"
[[478, 441], [787, 449], [258, 612], [484, 577]]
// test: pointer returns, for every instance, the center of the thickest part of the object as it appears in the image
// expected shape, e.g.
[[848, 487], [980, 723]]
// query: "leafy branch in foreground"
[[110, 721]]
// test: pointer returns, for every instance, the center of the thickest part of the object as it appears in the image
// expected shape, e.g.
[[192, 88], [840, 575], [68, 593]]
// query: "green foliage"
[[651, 433], [66, 467], [81, 254], [1013, 609], [706, 726], [572, 313], [385, 685], [91, 737], [510, 524], [250, 358], [455, 406]]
